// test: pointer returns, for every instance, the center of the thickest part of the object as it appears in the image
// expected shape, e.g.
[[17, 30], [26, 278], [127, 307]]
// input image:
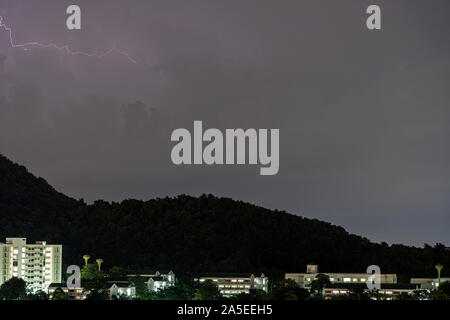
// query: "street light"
[[86, 257], [99, 262], [439, 267]]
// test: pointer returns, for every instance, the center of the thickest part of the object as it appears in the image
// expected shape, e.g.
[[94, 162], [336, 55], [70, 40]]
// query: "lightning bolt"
[[65, 48]]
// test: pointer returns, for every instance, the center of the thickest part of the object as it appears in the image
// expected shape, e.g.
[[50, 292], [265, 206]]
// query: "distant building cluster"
[[121, 286], [40, 266], [342, 282], [155, 281]]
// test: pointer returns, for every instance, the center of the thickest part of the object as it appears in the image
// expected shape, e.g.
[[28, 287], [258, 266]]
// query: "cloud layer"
[[363, 116]]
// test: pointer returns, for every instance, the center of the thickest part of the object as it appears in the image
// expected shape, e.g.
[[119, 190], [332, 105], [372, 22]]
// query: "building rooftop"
[[364, 286], [119, 284], [340, 273], [231, 275], [148, 272], [23, 242], [129, 277]]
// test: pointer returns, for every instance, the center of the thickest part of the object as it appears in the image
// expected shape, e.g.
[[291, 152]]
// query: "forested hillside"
[[190, 235]]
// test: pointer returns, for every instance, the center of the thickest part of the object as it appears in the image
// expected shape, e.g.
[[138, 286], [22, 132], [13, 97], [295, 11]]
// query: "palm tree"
[[99, 262], [439, 267], [86, 257]]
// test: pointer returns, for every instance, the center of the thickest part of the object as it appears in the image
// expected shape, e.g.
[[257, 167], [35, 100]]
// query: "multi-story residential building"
[[37, 264], [234, 284], [305, 279]]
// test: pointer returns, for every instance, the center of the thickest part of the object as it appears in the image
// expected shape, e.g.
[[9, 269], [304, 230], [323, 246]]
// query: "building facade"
[[233, 284], [38, 264]]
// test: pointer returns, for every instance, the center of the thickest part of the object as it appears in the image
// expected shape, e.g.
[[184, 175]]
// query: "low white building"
[[428, 283], [233, 284], [38, 264], [121, 288], [76, 293], [305, 279], [387, 291]]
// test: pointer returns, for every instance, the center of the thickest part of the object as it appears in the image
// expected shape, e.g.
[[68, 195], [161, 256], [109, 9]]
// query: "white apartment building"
[[305, 279], [37, 264], [233, 284]]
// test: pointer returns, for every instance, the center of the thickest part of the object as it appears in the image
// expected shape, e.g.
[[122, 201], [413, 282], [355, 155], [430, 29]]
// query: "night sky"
[[364, 116]]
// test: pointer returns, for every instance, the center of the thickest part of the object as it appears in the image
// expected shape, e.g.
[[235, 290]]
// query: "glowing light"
[[65, 48]]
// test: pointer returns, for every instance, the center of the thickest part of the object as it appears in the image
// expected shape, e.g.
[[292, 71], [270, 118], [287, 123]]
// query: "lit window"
[[347, 280]]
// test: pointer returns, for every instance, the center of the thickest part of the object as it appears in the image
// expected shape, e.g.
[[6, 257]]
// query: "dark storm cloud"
[[363, 116]]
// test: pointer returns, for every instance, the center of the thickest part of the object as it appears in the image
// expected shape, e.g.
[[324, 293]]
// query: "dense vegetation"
[[192, 235], [96, 288]]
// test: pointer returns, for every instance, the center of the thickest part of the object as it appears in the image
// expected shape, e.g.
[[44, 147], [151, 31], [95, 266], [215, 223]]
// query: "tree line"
[[195, 235]]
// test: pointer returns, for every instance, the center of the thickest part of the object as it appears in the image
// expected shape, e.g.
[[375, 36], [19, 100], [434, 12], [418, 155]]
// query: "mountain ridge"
[[193, 234]]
